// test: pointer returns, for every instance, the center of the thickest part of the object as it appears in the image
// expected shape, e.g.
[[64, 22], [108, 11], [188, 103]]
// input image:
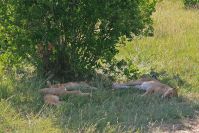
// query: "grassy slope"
[[173, 49]]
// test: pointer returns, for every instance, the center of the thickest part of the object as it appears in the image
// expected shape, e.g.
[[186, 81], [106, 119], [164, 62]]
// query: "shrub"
[[70, 37], [191, 3]]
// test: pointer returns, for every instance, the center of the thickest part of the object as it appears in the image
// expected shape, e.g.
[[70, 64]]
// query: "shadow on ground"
[[110, 110]]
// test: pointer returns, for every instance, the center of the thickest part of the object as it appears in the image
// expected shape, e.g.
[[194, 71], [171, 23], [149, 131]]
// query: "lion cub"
[[149, 86]]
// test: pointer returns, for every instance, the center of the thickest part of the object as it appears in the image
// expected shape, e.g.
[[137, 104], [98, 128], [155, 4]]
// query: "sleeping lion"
[[150, 86]]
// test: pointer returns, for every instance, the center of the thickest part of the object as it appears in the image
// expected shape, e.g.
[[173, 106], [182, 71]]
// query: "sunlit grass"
[[173, 49], [175, 45], [15, 121]]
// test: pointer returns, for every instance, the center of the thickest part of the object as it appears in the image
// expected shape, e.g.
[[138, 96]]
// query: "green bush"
[[191, 3], [70, 37]]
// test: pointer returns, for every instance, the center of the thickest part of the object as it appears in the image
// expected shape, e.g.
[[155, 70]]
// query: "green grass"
[[174, 48], [105, 111], [173, 52]]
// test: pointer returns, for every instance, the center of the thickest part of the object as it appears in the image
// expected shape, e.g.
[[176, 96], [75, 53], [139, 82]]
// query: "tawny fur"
[[150, 86], [63, 85], [51, 94], [68, 85], [51, 99], [58, 91]]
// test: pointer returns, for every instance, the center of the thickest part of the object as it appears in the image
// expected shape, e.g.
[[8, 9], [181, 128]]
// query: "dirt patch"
[[188, 125]]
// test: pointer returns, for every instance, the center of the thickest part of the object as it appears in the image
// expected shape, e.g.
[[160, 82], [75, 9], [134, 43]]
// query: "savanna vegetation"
[[37, 41], [191, 3], [70, 39]]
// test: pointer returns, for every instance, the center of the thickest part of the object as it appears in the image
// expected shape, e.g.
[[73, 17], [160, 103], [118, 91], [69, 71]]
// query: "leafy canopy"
[[69, 37]]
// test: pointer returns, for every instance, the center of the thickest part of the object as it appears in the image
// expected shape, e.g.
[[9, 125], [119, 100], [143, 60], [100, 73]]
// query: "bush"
[[73, 37], [191, 3]]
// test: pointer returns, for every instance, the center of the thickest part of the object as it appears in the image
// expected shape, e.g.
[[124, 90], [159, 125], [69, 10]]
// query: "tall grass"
[[173, 52], [174, 48]]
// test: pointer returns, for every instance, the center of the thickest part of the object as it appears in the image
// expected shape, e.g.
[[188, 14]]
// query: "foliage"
[[191, 3], [174, 49], [69, 37], [121, 70]]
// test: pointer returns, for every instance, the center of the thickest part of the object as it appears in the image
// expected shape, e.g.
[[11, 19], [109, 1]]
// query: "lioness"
[[150, 86], [51, 94]]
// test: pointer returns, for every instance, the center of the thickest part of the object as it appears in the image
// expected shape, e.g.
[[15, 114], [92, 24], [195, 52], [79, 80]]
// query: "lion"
[[150, 86], [52, 99], [52, 93]]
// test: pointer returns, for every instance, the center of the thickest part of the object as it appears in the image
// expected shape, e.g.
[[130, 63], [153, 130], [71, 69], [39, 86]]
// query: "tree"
[[70, 37]]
